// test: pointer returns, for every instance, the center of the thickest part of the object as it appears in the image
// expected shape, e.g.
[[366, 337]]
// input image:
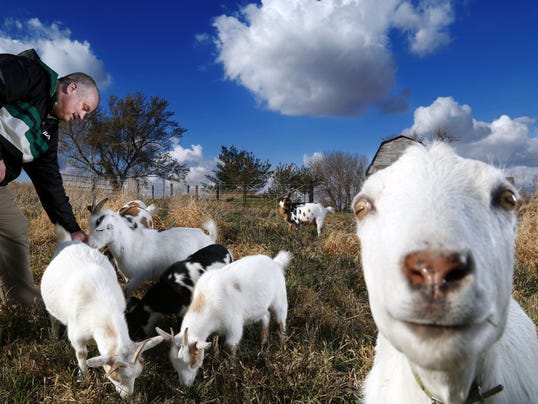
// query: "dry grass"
[[331, 334], [527, 245]]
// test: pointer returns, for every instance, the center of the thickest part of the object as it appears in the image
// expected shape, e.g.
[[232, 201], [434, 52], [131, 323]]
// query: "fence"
[[158, 188]]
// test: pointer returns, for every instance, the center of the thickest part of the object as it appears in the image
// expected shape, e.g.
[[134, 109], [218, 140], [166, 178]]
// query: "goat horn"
[[185, 337], [92, 206], [98, 207], [139, 350], [172, 338]]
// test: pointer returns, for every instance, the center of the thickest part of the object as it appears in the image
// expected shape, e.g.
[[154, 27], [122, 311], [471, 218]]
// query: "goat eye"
[[98, 221], [505, 198], [362, 207]]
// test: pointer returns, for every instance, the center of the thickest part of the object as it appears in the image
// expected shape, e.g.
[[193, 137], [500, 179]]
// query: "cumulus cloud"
[[506, 142], [307, 159], [195, 161], [425, 25], [326, 58], [54, 45]]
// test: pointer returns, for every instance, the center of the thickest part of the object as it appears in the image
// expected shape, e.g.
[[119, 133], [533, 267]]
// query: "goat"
[[143, 254], [223, 301], [133, 211], [139, 212], [437, 235], [80, 289], [172, 293], [296, 214]]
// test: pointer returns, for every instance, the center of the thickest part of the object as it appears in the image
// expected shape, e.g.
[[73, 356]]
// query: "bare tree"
[[288, 177], [341, 176], [442, 134], [133, 140]]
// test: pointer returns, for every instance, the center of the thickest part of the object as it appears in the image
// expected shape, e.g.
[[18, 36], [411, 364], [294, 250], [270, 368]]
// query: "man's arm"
[[45, 175]]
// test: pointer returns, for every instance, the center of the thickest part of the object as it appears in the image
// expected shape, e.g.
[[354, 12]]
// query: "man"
[[32, 101]]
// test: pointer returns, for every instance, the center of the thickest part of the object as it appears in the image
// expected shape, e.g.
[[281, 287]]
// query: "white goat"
[[80, 289], [296, 214], [223, 301], [143, 254], [437, 236]]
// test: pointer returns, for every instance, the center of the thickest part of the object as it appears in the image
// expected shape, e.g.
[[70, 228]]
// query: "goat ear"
[[98, 361], [202, 345]]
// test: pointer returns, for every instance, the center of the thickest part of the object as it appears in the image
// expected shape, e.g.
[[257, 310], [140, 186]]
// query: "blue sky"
[[286, 79]]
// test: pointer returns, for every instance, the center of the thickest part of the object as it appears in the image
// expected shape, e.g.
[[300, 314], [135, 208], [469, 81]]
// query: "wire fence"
[[158, 188]]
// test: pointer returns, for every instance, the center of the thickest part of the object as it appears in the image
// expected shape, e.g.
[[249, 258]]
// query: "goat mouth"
[[435, 330]]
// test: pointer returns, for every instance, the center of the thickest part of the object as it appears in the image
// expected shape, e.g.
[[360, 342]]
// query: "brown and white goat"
[[223, 301], [139, 212]]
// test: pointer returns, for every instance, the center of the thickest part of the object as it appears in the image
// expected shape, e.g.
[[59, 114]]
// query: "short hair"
[[83, 80]]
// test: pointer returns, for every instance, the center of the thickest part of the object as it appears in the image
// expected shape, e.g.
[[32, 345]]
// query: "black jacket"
[[29, 135]]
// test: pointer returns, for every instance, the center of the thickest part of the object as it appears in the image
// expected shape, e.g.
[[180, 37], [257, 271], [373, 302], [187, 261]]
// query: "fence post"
[[218, 191], [152, 191], [196, 192], [171, 189], [188, 189]]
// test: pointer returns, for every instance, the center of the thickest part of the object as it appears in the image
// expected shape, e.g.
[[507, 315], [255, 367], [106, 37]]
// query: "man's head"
[[77, 97]]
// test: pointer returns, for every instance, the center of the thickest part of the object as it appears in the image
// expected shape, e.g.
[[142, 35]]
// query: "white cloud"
[[55, 47], [193, 158], [316, 156], [183, 155], [425, 25], [325, 58], [506, 142]]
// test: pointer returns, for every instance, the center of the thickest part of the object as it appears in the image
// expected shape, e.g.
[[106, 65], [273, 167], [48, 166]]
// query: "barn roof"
[[388, 152]]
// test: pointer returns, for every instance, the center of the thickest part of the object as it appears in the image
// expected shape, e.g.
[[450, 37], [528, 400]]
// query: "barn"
[[388, 152]]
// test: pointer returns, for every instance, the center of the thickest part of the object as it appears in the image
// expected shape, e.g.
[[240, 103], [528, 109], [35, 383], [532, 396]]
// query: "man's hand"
[[80, 236], [2, 170]]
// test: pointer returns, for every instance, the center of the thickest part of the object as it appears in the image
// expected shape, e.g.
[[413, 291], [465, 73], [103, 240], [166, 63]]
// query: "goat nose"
[[429, 268]]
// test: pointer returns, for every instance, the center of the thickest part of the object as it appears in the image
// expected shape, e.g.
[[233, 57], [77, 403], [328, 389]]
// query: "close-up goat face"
[[437, 234]]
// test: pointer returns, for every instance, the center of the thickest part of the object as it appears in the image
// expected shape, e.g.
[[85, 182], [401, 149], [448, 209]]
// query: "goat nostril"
[[428, 268]]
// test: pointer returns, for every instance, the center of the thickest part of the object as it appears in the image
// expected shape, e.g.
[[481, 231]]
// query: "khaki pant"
[[16, 279]]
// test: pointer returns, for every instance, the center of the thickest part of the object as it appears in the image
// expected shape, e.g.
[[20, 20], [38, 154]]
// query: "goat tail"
[[330, 209], [283, 258], [62, 235], [211, 227]]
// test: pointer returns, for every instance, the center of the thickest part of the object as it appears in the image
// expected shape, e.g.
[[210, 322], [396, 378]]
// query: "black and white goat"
[[173, 292], [296, 214]]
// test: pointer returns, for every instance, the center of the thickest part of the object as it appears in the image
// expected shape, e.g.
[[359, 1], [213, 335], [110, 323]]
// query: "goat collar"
[[475, 394]]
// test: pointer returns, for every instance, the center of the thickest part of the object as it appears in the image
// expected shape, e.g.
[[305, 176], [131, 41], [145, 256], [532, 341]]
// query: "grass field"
[[331, 334]]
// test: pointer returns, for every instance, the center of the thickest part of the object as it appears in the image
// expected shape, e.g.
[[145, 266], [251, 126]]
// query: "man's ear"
[[71, 88]]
